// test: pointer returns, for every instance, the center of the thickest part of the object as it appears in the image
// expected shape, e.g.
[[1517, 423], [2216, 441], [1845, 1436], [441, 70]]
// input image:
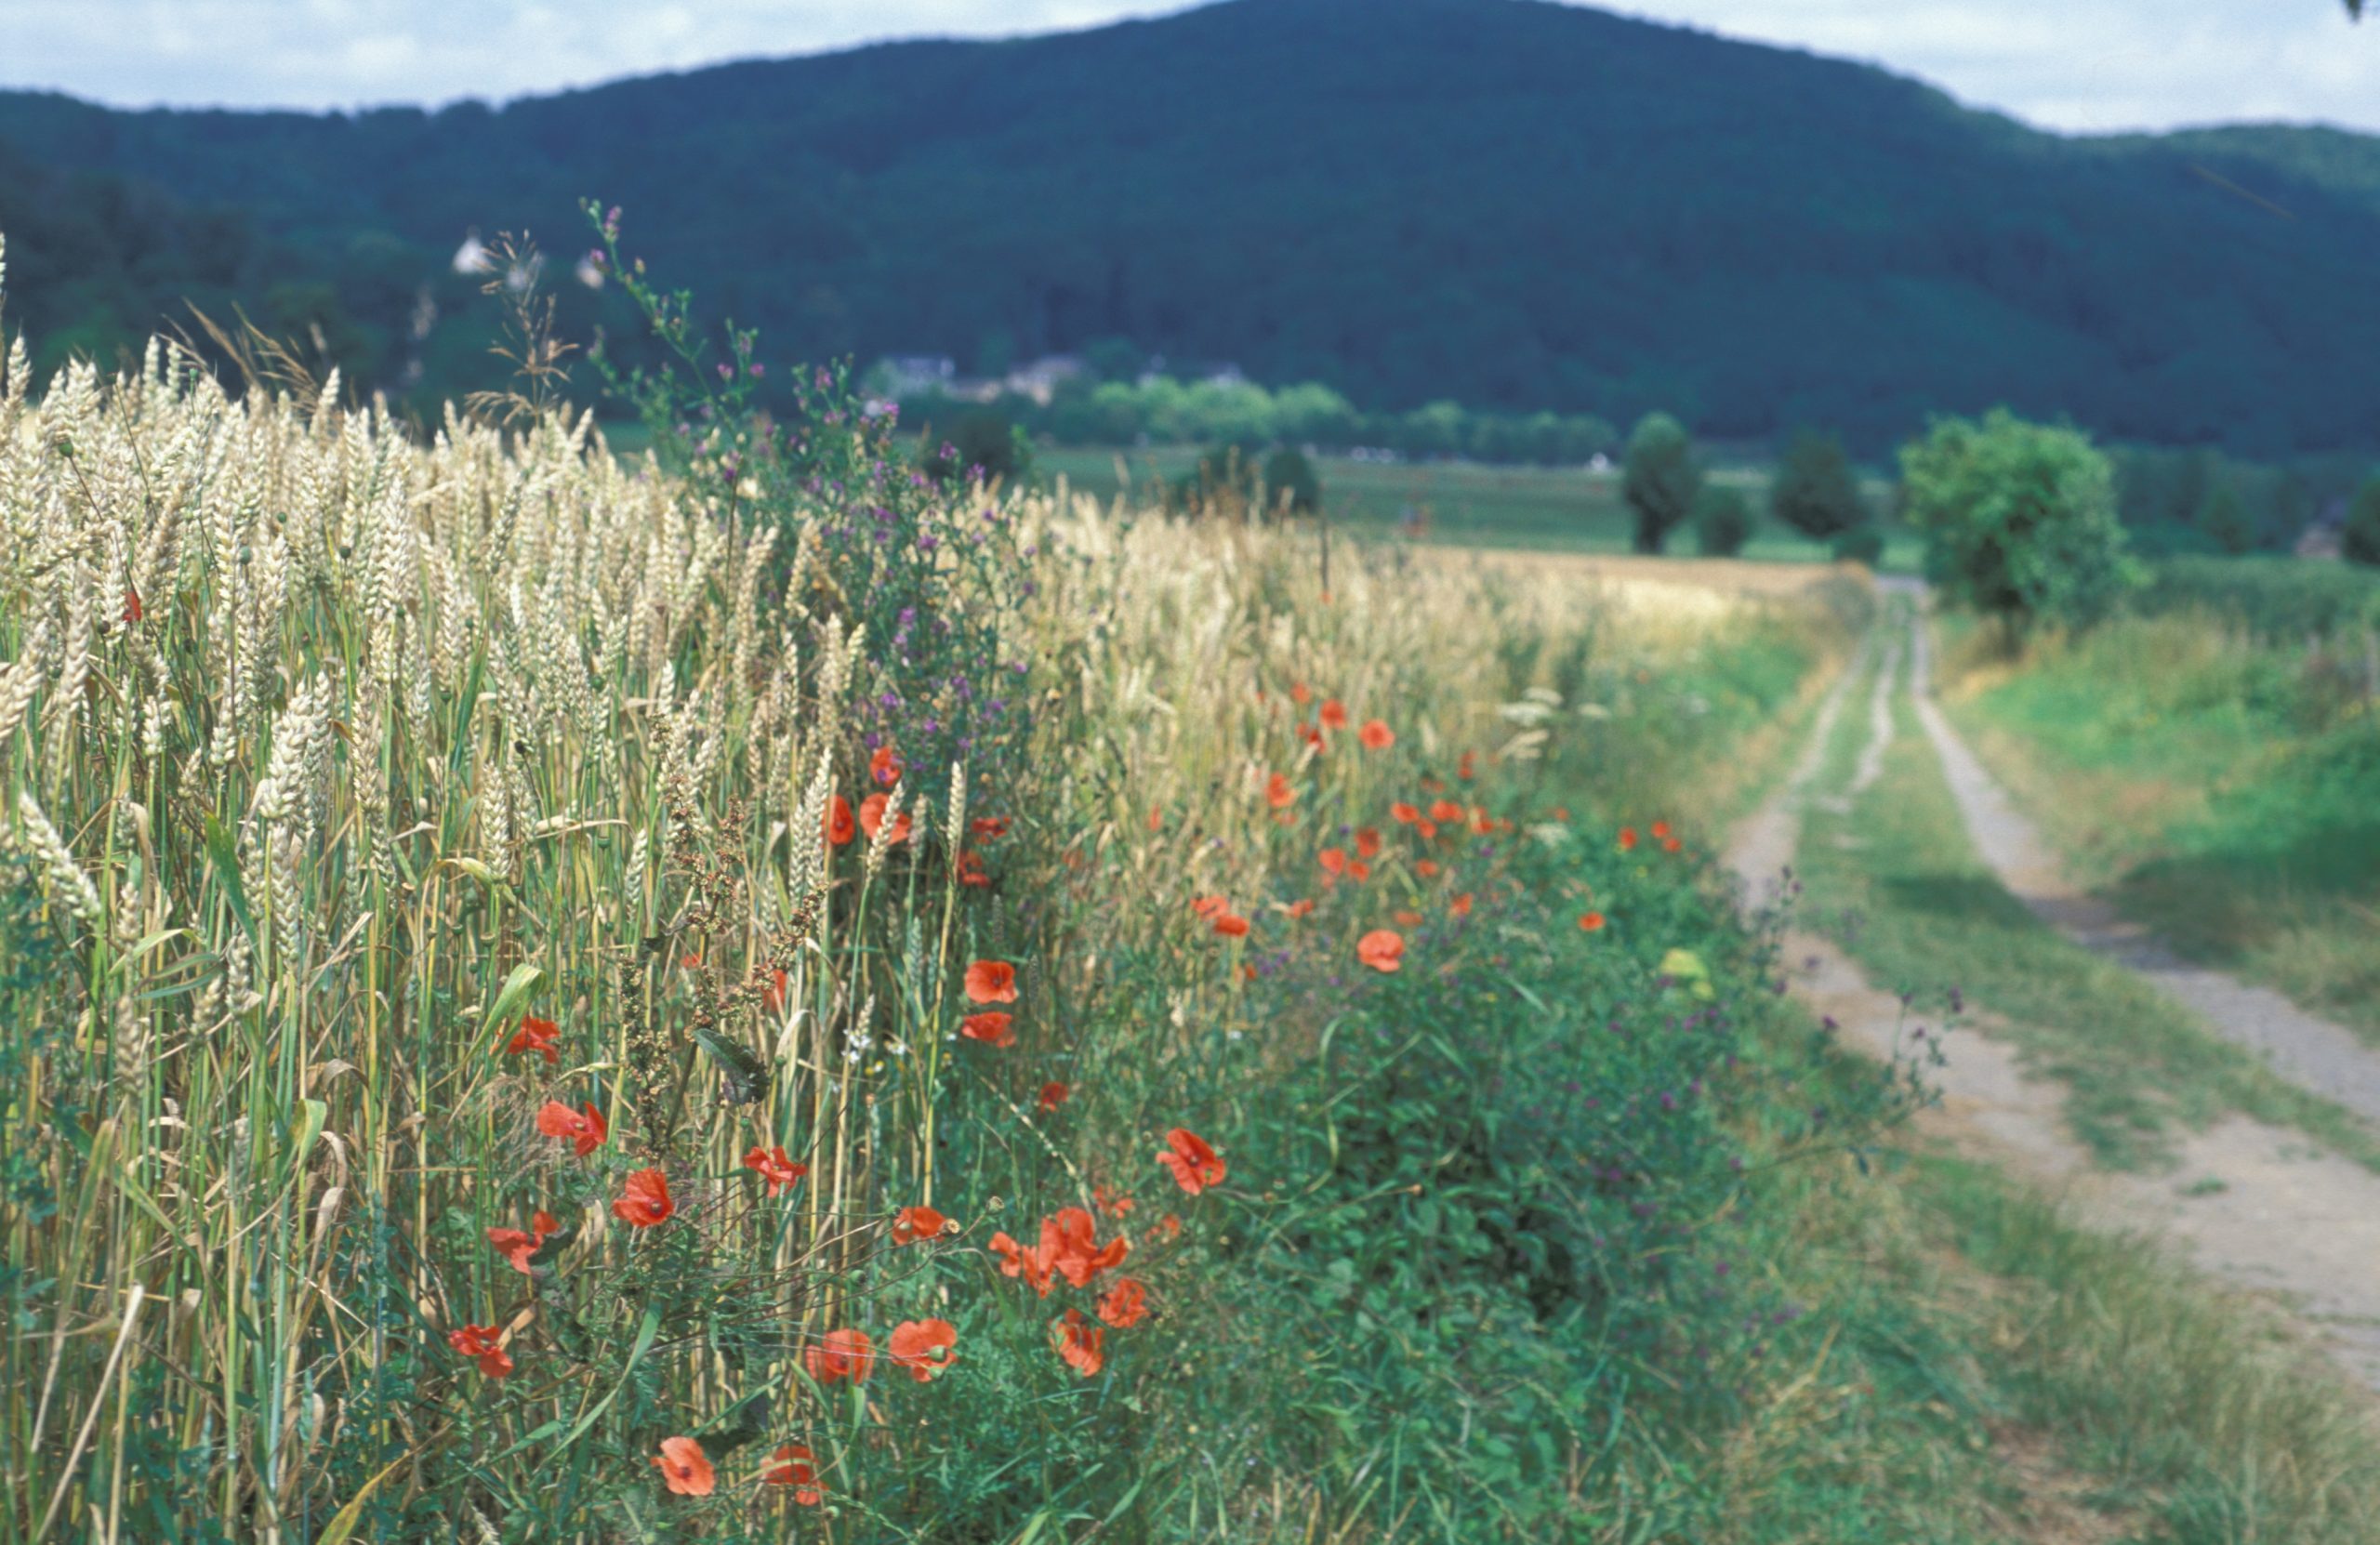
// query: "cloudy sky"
[[2078, 64]]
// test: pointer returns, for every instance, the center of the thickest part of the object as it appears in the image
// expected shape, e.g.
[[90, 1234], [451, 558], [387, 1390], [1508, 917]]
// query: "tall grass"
[[387, 822]]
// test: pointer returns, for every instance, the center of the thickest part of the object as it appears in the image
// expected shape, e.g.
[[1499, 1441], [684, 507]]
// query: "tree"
[[1289, 478], [1662, 478], [1115, 359], [1859, 545], [1722, 521], [2021, 517], [1816, 490], [2223, 515], [2360, 539]]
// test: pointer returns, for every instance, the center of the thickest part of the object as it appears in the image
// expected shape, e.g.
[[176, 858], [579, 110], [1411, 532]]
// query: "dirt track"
[[2295, 1225]]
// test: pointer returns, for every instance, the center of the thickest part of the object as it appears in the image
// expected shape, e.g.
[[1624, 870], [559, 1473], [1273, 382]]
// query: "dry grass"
[[401, 742]]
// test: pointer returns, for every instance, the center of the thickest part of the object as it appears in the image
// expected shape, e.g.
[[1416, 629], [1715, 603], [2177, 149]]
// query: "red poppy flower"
[[992, 1027], [1300, 693], [1156, 819], [776, 1167], [1054, 1094], [885, 766], [1407, 918], [1082, 1344], [685, 1467], [1209, 906], [913, 1223], [991, 982], [842, 1354], [1192, 1162], [1403, 814], [1426, 867], [988, 828], [1070, 1245], [1310, 735], [480, 1344], [1333, 860], [1561, 812], [1023, 1260], [1590, 922], [1112, 1203], [871, 816], [796, 1467], [535, 1036], [772, 996], [1231, 926], [1434, 786], [1627, 839], [1381, 950], [839, 824], [1359, 870], [925, 1347], [1446, 810], [1672, 844], [583, 1126], [1301, 907], [970, 869], [517, 1246], [1461, 905], [1367, 841], [1661, 830], [1376, 735], [1280, 793], [1333, 714], [1169, 1228], [1481, 822], [646, 1201], [1125, 1305]]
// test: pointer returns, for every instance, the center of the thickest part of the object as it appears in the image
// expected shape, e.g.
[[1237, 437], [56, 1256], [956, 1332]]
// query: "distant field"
[[1567, 509]]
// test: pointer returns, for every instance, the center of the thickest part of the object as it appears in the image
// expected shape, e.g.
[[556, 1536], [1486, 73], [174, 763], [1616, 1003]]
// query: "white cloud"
[[2093, 65], [2078, 64]]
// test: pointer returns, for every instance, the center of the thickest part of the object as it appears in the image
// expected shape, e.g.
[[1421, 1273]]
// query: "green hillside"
[[1502, 202]]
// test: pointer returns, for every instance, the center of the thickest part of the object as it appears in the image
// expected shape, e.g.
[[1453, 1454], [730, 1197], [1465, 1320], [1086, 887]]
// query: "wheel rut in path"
[[2311, 1052], [2289, 1223]]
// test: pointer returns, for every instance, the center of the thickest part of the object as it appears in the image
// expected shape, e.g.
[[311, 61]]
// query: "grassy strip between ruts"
[[1896, 876], [2222, 787]]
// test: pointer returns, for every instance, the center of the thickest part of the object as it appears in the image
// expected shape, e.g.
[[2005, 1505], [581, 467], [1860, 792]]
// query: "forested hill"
[[1501, 202]]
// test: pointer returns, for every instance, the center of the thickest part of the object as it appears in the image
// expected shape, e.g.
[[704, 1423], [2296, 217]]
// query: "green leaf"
[[745, 1077], [747, 1421], [226, 863], [310, 1131], [519, 989]]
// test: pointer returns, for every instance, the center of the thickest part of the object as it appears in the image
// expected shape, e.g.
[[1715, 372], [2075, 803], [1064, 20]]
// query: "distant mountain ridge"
[[1501, 202]]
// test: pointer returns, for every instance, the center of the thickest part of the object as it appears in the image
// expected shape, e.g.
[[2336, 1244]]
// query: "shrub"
[[2273, 597], [2021, 519], [1859, 545], [1722, 521], [1662, 478], [1816, 491], [982, 447], [2360, 539]]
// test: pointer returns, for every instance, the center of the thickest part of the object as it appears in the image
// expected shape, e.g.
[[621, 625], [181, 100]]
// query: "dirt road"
[[2294, 1225]]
